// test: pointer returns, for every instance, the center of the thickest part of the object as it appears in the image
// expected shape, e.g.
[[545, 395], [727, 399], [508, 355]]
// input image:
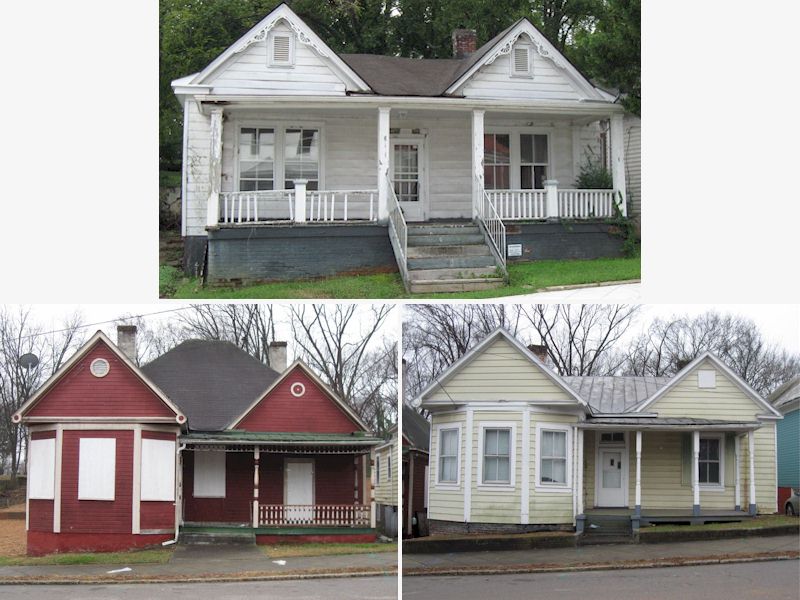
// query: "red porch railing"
[[308, 515]]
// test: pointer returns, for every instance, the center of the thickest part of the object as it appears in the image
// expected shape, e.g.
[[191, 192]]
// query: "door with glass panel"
[[406, 172], [611, 490]]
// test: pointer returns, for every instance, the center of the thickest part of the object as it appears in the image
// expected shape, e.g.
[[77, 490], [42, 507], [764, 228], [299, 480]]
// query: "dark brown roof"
[[416, 428], [211, 381]]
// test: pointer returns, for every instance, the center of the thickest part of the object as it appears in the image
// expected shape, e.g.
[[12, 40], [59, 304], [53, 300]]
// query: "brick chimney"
[[465, 42], [540, 350], [126, 340], [277, 356]]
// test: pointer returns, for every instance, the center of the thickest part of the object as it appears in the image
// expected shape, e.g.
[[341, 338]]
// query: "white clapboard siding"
[[249, 72], [196, 167]]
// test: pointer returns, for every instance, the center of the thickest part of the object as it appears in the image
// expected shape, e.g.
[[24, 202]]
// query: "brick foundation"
[[41, 543], [455, 527]]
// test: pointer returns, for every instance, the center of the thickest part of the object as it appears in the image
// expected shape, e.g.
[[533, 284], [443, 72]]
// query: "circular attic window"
[[297, 389], [99, 367]]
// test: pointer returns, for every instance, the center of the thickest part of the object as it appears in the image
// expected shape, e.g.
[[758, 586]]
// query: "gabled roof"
[[98, 337], [211, 380], [615, 394], [738, 381], [485, 343], [416, 428], [232, 424], [786, 393]]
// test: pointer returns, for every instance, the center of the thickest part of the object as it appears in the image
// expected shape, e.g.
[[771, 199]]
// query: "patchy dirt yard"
[[12, 537]]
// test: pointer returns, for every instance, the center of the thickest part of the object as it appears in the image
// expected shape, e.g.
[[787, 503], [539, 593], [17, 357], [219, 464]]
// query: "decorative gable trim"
[[74, 359], [321, 384], [738, 381]]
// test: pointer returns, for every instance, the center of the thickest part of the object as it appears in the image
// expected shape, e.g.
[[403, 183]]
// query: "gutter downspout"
[[178, 496]]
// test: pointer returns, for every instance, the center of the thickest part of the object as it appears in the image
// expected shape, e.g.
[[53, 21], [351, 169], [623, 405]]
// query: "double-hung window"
[[271, 158], [497, 456], [710, 462], [553, 457], [497, 161], [301, 157], [515, 160], [448, 456], [532, 160]]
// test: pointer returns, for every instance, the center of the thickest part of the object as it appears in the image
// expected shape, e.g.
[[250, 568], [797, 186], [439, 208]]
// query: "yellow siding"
[[549, 507], [386, 488], [588, 468], [500, 372], [445, 504], [766, 486], [725, 401]]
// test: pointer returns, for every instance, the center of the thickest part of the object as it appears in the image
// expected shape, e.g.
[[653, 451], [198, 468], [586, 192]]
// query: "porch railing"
[[398, 231], [519, 204], [552, 203], [585, 204], [492, 224], [341, 205], [310, 515], [253, 207]]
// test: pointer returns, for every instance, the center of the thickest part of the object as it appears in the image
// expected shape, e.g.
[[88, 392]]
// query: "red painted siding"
[[118, 394], [236, 506], [335, 479], [313, 412], [47, 543], [157, 515], [97, 516]]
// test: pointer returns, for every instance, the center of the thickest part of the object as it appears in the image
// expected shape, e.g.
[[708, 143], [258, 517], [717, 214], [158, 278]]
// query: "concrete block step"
[[455, 285], [450, 274], [596, 540], [445, 240], [466, 228], [218, 537], [451, 262], [434, 251]]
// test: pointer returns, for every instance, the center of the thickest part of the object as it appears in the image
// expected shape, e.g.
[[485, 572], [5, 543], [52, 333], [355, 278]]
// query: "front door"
[[407, 174], [611, 491], [299, 491]]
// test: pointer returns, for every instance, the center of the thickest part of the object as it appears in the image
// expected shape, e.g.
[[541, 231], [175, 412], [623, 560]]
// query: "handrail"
[[492, 224], [398, 231]]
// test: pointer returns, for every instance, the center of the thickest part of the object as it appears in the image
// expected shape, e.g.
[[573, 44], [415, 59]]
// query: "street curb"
[[211, 578], [580, 286], [668, 537], [608, 566]]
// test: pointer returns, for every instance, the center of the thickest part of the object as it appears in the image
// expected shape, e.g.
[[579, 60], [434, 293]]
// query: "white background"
[[79, 131]]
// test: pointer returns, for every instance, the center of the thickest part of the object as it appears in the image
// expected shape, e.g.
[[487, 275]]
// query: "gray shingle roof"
[[615, 394], [656, 422], [416, 428], [211, 381]]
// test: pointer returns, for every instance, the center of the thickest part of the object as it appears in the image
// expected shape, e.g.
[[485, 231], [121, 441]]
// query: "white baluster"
[[345, 207]]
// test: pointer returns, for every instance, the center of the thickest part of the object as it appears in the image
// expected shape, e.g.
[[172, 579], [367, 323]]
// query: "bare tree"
[[581, 338], [668, 343], [437, 335], [152, 340]]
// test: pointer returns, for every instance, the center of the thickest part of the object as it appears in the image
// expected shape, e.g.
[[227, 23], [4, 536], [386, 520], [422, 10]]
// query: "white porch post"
[[137, 480], [638, 473], [256, 457], [300, 200], [580, 471], [372, 507], [410, 499], [751, 479], [383, 162], [525, 494], [477, 160], [468, 466], [551, 198], [696, 472], [214, 168], [617, 132], [737, 466]]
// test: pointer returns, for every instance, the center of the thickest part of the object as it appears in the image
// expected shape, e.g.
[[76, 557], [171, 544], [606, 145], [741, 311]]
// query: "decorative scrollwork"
[[261, 35], [543, 51]]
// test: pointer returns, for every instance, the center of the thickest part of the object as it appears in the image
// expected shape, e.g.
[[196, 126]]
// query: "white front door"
[[299, 491], [407, 174], [610, 489]]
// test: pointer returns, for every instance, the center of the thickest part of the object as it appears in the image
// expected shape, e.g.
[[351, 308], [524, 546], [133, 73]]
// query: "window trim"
[[713, 487], [439, 429], [482, 427], [553, 487], [512, 72], [270, 49], [515, 178]]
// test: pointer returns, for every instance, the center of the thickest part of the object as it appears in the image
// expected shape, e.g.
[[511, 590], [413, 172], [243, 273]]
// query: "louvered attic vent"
[[281, 50], [521, 61]]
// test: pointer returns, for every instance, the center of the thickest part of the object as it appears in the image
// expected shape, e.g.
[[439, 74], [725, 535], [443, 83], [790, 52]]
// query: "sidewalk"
[[602, 556], [617, 292], [219, 563]]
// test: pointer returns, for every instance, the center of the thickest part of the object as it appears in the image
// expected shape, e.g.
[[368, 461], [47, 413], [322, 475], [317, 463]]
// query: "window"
[[553, 457], [521, 61], [497, 456], [256, 159], [209, 474], [532, 160], [281, 49], [617, 437], [96, 468], [448, 455], [707, 379], [158, 470], [42, 469], [497, 161], [301, 157], [710, 461]]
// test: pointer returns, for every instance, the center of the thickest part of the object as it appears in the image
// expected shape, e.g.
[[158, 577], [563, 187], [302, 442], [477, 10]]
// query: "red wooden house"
[[416, 444], [203, 439]]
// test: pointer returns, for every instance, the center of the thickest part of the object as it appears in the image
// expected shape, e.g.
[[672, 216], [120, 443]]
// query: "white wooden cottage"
[[299, 161]]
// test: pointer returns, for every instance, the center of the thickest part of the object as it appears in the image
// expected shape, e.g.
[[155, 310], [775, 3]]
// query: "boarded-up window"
[[97, 460], [42, 469], [209, 474], [707, 379], [158, 470]]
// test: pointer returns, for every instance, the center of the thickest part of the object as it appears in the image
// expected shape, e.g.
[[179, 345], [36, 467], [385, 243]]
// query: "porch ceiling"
[[667, 424]]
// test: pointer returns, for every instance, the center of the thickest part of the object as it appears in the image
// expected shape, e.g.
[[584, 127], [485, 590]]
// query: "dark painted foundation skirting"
[[194, 254], [41, 542], [457, 527], [564, 240], [272, 253]]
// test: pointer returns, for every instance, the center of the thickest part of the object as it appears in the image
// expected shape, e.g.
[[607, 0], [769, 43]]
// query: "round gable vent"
[[297, 389], [99, 367]]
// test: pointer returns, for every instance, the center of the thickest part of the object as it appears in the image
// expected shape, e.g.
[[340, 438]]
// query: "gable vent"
[[99, 367], [521, 61], [281, 49]]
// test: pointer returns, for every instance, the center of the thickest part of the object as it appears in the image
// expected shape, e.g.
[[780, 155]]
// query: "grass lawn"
[[296, 550], [159, 555], [525, 278], [757, 523]]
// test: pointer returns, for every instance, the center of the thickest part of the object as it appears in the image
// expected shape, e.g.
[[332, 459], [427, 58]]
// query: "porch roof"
[[616, 394], [667, 424], [295, 442]]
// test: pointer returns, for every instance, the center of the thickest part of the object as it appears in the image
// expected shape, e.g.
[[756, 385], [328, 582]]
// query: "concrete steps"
[[606, 529], [238, 538], [450, 257]]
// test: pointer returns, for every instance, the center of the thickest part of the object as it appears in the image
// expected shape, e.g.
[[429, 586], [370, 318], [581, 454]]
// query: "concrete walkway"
[[612, 553], [615, 293]]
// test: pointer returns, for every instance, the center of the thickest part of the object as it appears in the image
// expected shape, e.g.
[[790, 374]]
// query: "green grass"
[[159, 555], [525, 278], [320, 549], [169, 178], [757, 523]]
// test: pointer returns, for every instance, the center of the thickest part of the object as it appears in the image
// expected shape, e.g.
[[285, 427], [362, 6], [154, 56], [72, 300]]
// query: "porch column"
[[214, 168], [477, 160], [410, 499], [300, 200], [256, 458], [580, 471], [372, 507], [751, 479], [383, 163], [551, 198], [617, 132], [696, 472], [737, 466], [638, 507]]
